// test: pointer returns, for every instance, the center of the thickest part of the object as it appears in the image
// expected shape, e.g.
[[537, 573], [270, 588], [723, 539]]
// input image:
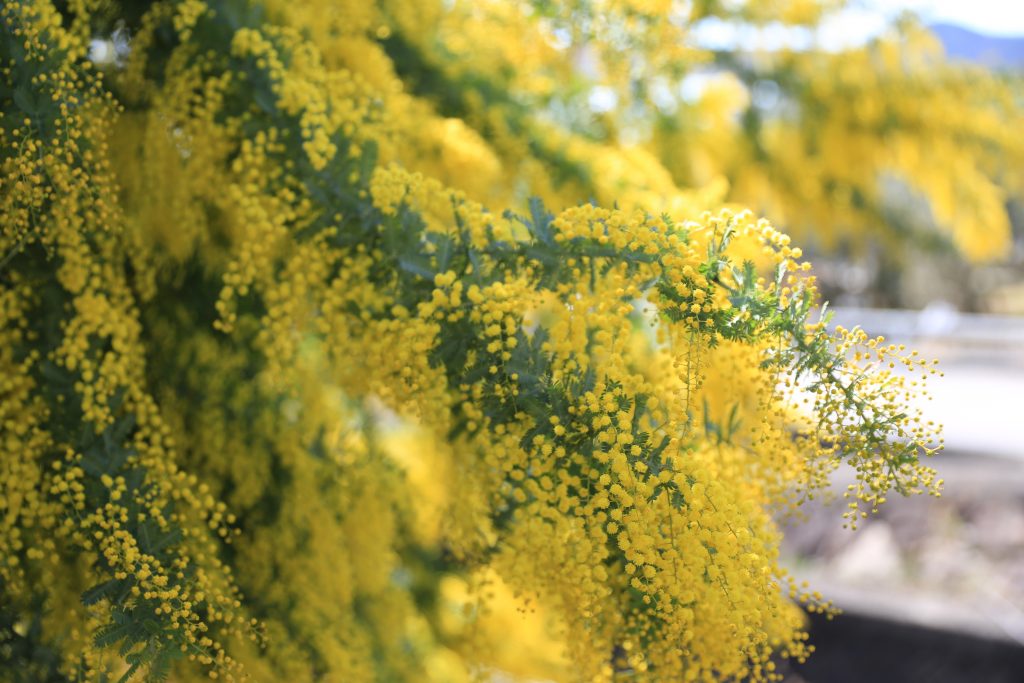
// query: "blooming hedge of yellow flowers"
[[316, 364]]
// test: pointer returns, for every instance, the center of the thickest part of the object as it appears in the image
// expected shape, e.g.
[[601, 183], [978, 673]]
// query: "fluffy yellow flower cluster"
[[88, 460], [292, 390]]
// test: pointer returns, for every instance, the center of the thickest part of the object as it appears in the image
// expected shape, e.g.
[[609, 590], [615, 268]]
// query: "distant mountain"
[[992, 51]]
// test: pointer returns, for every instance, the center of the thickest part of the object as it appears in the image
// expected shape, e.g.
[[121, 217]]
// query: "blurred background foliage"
[[892, 162]]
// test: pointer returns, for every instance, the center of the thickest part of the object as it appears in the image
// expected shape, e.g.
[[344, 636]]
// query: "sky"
[[863, 19], [994, 17]]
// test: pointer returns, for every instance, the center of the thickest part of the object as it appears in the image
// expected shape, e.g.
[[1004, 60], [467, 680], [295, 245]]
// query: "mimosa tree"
[[330, 330]]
